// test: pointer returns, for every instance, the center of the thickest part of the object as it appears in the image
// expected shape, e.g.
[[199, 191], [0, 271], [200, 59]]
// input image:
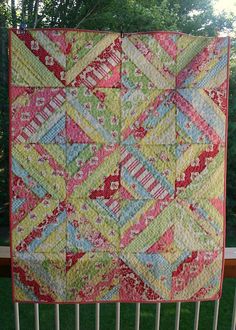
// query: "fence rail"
[[229, 272]]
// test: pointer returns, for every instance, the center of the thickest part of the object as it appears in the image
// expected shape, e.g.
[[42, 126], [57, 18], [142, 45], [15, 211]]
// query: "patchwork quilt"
[[118, 162]]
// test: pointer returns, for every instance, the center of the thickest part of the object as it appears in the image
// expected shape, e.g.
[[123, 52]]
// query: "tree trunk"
[[13, 13], [36, 8]]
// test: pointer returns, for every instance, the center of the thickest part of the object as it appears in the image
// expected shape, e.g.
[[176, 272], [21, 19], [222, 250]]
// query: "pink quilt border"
[[217, 296]]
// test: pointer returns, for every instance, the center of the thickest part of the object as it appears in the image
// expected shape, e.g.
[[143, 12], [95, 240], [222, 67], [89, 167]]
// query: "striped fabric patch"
[[118, 158]]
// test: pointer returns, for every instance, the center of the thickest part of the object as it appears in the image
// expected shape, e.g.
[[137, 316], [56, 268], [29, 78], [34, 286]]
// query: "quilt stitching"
[[117, 166]]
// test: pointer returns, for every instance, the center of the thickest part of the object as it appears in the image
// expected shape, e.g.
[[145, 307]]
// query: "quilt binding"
[[10, 167]]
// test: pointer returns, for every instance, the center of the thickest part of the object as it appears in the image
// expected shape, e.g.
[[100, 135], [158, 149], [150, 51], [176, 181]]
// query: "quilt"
[[117, 165]]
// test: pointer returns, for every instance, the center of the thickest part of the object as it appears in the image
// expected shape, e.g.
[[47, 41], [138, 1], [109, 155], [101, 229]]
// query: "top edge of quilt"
[[119, 32]]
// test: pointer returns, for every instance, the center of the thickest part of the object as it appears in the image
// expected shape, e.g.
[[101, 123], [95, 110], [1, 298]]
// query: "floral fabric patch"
[[118, 148]]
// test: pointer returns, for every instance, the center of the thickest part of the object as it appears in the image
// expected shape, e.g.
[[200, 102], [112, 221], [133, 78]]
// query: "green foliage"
[[4, 14], [132, 15], [231, 166], [4, 114], [195, 16]]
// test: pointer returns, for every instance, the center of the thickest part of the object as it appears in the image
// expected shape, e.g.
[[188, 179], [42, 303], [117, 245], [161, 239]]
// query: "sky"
[[227, 5]]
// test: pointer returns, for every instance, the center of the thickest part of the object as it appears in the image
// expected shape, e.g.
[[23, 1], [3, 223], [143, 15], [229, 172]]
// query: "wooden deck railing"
[[229, 272]]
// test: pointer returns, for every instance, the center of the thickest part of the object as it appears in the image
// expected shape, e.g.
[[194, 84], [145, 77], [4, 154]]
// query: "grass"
[[87, 313]]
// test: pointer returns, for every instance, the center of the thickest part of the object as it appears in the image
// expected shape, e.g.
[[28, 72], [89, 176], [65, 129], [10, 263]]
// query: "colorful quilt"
[[118, 162]]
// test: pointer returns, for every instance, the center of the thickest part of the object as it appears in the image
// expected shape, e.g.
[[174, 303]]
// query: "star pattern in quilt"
[[117, 166]]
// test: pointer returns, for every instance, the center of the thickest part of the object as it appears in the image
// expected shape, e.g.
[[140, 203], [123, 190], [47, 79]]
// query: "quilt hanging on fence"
[[118, 164]]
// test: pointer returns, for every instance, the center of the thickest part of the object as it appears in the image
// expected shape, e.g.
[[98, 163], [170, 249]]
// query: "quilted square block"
[[93, 171], [136, 274], [93, 59], [93, 117], [92, 277], [118, 165], [43, 229], [45, 163], [149, 60], [40, 277], [38, 115], [198, 276], [200, 171], [203, 220], [148, 116], [157, 249], [200, 115], [143, 223], [147, 171], [93, 226], [27, 192], [39, 58], [201, 62]]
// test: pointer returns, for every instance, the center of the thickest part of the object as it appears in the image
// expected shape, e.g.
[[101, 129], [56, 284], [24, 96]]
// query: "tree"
[[231, 164], [195, 16], [190, 16]]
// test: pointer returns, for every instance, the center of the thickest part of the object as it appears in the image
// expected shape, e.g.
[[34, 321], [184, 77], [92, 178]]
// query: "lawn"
[[87, 314]]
